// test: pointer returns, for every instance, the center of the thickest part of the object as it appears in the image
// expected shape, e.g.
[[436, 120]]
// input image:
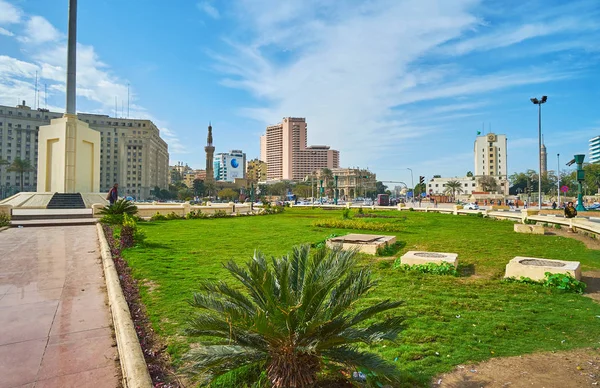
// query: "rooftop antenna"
[[127, 100], [122, 103]]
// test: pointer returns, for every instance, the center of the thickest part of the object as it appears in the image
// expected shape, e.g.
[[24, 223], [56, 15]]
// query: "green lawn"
[[449, 320]]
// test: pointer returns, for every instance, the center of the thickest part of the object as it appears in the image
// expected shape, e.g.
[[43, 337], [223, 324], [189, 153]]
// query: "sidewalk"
[[54, 321]]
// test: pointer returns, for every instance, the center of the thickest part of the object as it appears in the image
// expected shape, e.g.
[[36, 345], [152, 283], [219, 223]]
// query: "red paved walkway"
[[54, 320]]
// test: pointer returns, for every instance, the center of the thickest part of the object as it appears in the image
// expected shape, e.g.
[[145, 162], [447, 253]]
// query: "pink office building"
[[283, 147]]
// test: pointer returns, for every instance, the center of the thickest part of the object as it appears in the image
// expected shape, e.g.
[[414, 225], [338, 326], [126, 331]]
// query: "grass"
[[449, 320]]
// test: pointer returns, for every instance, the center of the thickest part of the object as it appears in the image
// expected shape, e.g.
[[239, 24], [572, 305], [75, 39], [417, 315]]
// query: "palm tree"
[[297, 311], [20, 166], [453, 187]]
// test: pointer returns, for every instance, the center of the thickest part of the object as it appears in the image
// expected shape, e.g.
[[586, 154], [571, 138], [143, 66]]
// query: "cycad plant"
[[296, 318], [113, 214]]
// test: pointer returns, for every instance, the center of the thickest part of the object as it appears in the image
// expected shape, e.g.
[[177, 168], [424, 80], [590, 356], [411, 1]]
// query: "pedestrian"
[[554, 205], [570, 211], [113, 194]]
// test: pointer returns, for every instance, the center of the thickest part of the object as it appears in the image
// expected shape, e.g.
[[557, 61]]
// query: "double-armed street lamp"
[[539, 104]]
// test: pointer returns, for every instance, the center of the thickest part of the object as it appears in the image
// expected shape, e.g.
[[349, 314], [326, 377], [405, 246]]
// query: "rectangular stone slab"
[[534, 268], [422, 257], [356, 238]]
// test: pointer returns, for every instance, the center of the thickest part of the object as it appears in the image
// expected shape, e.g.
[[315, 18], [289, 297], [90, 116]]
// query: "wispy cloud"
[[5, 32], [9, 13], [38, 30], [209, 9]]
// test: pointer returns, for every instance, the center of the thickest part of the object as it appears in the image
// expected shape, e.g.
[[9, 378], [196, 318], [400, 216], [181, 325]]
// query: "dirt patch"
[[590, 243], [575, 368]]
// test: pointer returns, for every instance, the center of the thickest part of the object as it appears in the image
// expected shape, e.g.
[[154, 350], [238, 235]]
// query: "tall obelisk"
[[68, 150], [210, 151]]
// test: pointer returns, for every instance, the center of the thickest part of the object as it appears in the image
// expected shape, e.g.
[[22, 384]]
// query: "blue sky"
[[390, 83]]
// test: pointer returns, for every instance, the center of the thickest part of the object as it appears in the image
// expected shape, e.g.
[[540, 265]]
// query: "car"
[[472, 206]]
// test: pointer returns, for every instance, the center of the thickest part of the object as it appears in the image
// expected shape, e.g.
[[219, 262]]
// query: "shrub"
[[360, 210], [389, 250], [358, 225], [158, 217], [4, 220], [121, 206], [559, 281], [410, 209], [429, 268], [557, 226], [112, 219], [346, 214], [220, 214], [128, 231], [295, 320], [173, 216]]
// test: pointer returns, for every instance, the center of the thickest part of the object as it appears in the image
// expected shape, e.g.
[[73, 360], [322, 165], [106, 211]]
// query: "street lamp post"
[[412, 182], [335, 193], [539, 104], [558, 178]]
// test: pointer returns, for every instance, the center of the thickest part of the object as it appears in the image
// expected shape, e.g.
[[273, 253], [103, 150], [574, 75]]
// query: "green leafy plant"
[[360, 210], [4, 220], [128, 231], [389, 249], [296, 318], [158, 217], [359, 225], [557, 226], [173, 216], [559, 281], [564, 282], [121, 206], [112, 219], [220, 214], [410, 209], [429, 268], [346, 214]]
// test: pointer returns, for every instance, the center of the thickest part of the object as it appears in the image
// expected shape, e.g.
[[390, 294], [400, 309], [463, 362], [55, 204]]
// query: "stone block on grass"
[[421, 257], [535, 268], [531, 229]]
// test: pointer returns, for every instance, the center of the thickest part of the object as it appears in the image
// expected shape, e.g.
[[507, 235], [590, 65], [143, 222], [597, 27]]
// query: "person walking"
[[113, 194], [570, 211]]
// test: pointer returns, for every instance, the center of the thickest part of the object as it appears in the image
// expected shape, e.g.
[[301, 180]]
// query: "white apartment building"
[[491, 155], [132, 152], [595, 149], [437, 186], [230, 166], [288, 157]]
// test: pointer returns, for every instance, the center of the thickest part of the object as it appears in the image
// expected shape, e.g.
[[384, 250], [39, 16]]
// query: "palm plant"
[[297, 312], [20, 166], [453, 187], [121, 206]]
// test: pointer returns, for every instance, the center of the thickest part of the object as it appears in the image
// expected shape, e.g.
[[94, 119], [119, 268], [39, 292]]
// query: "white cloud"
[[9, 14], [39, 30], [5, 32], [208, 9]]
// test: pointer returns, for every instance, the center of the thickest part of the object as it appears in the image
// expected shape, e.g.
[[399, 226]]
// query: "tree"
[[199, 187], [488, 183], [301, 190], [470, 174], [328, 180], [453, 187], [229, 194], [21, 166], [155, 192], [380, 187], [297, 310]]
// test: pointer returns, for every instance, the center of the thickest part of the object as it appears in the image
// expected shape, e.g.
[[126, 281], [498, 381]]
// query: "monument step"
[[66, 201], [58, 222], [50, 216]]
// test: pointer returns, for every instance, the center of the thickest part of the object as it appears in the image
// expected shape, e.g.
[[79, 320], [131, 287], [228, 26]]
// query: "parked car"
[[472, 206]]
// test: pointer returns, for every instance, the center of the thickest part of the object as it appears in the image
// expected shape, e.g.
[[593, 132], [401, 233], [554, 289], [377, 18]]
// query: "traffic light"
[[421, 180]]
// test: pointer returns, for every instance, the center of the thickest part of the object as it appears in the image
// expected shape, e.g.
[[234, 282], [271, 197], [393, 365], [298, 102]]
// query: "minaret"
[[210, 151], [544, 158]]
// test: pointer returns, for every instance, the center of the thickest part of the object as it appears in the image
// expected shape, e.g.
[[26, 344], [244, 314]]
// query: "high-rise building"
[[263, 148], [595, 149], [490, 155], [132, 152], [256, 171], [287, 155], [230, 166]]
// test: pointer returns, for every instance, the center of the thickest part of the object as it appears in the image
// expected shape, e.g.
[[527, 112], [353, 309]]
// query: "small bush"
[[559, 281], [545, 224], [410, 209], [346, 214], [121, 206], [112, 219], [430, 268], [4, 220], [173, 216], [158, 217], [358, 225], [219, 214], [557, 226], [389, 250], [360, 210], [128, 231]]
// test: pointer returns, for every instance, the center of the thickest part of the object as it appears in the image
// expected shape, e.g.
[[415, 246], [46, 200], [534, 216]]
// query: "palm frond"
[[350, 356], [212, 361]]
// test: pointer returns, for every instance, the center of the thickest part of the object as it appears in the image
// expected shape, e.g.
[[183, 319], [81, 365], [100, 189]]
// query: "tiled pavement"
[[54, 319]]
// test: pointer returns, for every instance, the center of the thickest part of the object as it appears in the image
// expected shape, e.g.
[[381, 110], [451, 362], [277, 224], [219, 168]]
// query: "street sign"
[[564, 189]]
